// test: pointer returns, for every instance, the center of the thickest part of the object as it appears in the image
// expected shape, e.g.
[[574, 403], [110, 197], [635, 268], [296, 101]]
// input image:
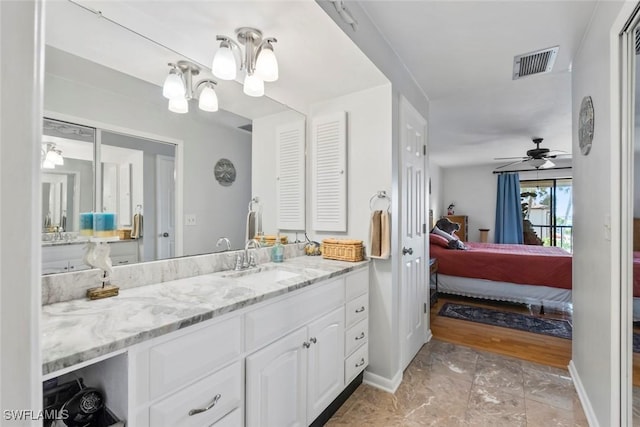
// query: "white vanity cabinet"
[[280, 362], [65, 258], [357, 323], [291, 381], [191, 378]]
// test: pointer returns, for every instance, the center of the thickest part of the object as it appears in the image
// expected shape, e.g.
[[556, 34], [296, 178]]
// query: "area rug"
[[522, 322]]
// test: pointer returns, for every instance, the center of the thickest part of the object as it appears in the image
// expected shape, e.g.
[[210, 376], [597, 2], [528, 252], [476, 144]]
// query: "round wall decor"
[[225, 172], [585, 125]]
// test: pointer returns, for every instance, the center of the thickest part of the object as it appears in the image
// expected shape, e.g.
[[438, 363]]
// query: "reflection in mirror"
[[636, 242], [99, 74], [67, 181]]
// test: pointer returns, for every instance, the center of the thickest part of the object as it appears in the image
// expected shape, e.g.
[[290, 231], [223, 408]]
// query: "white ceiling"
[[461, 54], [317, 60]]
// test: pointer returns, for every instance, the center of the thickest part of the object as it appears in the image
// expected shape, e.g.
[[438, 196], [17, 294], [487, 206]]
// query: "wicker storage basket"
[[343, 250], [124, 233], [270, 239]]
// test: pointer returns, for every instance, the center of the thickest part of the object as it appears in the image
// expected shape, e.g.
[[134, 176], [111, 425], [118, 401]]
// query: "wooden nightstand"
[[433, 280]]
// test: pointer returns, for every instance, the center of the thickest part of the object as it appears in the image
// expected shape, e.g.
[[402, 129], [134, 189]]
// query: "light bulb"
[[208, 99], [47, 164], [173, 85], [179, 105], [253, 85], [58, 160], [224, 63], [267, 64], [51, 157]]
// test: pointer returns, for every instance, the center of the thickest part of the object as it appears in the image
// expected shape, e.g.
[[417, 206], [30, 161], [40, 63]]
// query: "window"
[[548, 208]]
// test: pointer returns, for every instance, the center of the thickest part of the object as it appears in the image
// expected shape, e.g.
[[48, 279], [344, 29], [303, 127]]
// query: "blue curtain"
[[509, 210]]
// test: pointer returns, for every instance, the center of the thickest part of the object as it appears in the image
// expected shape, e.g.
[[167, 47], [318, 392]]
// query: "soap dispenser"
[[277, 252]]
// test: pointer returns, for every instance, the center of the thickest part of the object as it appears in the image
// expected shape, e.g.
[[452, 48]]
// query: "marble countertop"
[[80, 330]]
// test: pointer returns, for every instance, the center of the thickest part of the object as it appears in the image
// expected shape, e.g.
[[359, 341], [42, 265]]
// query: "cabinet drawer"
[[356, 363], [357, 310], [234, 419], [224, 388], [275, 320], [191, 356], [355, 336], [357, 284]]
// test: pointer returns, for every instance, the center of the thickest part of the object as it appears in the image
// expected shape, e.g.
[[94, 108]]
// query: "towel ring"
[[380, 195], [255, 201]]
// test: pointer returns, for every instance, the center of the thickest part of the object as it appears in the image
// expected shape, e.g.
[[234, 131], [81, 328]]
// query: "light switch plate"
[[190, 219]]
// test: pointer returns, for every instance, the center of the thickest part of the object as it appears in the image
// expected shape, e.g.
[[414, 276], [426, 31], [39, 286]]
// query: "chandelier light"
[[51, 156], [178, 88], [258, 62]]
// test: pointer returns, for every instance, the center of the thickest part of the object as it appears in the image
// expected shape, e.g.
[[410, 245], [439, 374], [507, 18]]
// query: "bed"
[[535, 275]]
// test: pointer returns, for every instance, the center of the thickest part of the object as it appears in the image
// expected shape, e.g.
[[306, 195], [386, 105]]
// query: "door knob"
[[407, 251], [165, 234]]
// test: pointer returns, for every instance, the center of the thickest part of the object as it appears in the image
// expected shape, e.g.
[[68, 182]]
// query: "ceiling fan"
[[537, 157]]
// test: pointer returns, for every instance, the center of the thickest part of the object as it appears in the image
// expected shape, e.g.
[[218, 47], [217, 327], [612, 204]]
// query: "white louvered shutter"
[[291, 176], [329, 141]]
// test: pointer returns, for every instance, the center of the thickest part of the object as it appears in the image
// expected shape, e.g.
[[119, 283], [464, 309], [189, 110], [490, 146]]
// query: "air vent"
[[247, 127], [538, 62], [638, 42]]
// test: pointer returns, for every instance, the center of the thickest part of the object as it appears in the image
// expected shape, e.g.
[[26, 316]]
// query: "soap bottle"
[[277, 252]]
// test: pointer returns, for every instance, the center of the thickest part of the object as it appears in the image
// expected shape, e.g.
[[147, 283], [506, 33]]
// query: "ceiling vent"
[[638, 42], [538, 62]]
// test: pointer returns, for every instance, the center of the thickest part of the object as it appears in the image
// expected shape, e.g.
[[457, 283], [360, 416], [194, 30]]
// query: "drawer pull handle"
[[361, 336], [306, 344], [360, 310], [211, 405], [360, 363], [313, 340]]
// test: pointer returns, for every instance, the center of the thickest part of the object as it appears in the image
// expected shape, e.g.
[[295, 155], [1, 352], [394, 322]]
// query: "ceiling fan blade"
[[510, 158], [512, 163], [555, 153]]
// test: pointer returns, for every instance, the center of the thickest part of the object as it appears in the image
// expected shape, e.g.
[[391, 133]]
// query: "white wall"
[[263, 180], [20, 205], [83, 89], [369, 170], [473, 190], [435, 197], [596, 286]]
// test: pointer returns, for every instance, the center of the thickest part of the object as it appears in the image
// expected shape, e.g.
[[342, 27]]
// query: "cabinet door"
[[276, 383], [326, 362]]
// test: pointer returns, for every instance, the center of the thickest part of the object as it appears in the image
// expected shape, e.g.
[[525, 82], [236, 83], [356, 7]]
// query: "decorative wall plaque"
[[585, 125], [225, 172]]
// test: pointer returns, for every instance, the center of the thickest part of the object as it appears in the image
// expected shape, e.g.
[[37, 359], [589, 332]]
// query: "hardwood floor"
[[528, 346]]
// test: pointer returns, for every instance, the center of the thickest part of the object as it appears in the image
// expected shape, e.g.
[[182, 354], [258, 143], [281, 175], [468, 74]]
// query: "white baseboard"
[[429, 336], [582, 394], [388, 385]]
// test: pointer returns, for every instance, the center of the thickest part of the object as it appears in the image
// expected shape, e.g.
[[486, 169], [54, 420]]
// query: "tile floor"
[[452, 385]]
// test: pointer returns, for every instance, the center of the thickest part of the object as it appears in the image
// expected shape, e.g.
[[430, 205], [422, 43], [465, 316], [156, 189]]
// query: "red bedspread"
[[636, 274], [522, 264]]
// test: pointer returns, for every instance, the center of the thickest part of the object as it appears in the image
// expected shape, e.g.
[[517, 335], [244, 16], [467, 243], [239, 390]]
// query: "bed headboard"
[[636, 234]]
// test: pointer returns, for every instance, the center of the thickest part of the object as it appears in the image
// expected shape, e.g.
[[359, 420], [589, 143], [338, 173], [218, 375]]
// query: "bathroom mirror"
[[107, 79]]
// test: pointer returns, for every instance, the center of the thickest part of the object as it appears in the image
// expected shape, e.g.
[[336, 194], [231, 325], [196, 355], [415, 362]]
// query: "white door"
[[413, 274], [326, 362], [165, 207], [276, 383]]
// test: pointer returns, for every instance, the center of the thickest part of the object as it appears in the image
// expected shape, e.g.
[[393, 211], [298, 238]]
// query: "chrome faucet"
[[225, 240], [245, 260], [250, 261]]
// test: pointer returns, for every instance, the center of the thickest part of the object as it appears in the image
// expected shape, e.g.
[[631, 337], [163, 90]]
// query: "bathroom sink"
[[261, 275]]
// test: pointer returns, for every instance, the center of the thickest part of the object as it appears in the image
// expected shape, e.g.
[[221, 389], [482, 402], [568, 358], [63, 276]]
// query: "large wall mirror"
[[117, 148]]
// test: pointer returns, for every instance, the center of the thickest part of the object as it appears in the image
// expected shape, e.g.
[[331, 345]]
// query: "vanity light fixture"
[[259, 62], [51, 156], [178, 88]]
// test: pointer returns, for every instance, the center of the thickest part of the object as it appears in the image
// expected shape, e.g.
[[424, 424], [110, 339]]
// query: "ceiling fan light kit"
[[538, 157]]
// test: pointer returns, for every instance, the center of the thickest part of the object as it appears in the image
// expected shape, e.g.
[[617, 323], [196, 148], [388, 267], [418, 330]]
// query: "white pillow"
[[444, 234]]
